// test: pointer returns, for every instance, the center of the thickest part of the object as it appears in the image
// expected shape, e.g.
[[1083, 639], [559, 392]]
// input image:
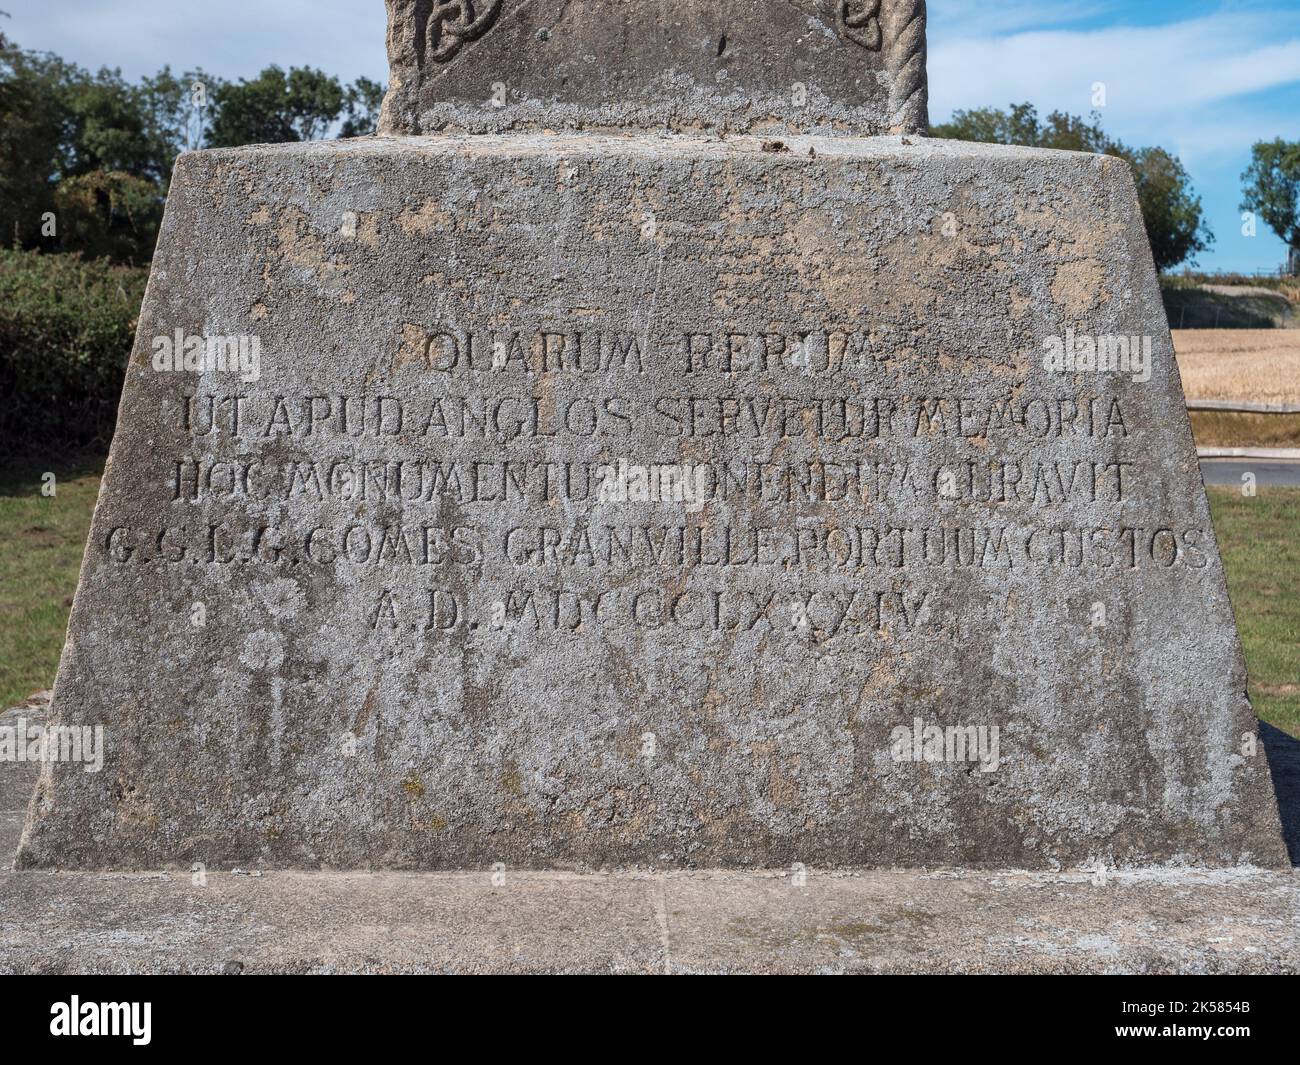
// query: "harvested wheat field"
[[1251, 365]]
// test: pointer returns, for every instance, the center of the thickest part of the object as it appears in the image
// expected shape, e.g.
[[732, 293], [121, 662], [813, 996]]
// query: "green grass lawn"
[[1260, 540], [43, 537]]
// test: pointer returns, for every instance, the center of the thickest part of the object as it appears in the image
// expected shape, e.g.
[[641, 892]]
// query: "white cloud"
[[231, 38], [1206, 88], [973, 18], [1159, 80]]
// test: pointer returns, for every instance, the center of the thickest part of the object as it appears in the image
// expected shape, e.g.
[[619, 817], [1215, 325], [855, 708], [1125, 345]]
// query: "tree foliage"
[[364, 98], [1172, 212], [66, 328], [301, 105], [1272, 190], [34, 128], [86, 158], [109, 214]]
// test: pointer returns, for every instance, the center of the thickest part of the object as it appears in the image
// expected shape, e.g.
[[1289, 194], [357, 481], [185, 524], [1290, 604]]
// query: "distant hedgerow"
[[66, 329]]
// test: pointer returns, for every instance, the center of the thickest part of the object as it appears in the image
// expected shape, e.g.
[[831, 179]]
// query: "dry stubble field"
[[1256, 365], [1247, 365]]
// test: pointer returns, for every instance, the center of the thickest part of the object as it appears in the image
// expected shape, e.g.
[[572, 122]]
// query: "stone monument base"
[[1134, 921], [1143, 922], [364, 604]]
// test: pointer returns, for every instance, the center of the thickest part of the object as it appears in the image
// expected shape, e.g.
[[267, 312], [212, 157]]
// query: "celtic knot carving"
[[451, 24]]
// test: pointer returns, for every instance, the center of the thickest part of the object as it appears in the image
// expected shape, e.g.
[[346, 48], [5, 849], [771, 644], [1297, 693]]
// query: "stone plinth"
[[602, 501]]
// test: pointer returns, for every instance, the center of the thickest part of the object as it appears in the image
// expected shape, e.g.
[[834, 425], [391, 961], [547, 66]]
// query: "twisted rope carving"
[[903, 26]]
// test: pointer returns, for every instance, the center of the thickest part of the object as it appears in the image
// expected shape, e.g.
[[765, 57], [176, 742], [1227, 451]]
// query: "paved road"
[[1268, 472]]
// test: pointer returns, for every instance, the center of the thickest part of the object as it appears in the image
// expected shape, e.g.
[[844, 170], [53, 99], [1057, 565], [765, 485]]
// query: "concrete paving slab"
[[1227, 921]]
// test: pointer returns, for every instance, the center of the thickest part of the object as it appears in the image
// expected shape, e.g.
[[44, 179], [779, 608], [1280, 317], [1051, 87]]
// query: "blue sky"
[[1203, 78]]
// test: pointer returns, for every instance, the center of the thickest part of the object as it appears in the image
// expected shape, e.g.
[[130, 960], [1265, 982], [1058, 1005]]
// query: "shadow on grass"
[[1284, 761], [1189, 307], [21, 471]]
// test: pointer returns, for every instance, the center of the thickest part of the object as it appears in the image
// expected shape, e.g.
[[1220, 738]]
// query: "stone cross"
[[853, 66]]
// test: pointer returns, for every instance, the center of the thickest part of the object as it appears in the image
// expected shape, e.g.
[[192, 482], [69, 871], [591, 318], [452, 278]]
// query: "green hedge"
[[66, 329]]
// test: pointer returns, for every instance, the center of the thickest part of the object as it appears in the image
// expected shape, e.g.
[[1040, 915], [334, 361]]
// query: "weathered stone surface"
[[1235, 921], [905, 516], [18, 777], [1141, 921], [814, 66]]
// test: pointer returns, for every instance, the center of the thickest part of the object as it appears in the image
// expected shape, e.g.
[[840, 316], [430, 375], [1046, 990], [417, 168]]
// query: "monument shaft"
[[813, 66]]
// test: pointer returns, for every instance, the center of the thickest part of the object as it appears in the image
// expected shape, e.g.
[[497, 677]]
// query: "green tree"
[[116, 126], [1272, 191], [136, 129], [364, 99], [1021, 125], [276, 107], [1171, 211], [108, 214], [34, 128], [176, 112], [118, 154], [110, 142], [86, 158]]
